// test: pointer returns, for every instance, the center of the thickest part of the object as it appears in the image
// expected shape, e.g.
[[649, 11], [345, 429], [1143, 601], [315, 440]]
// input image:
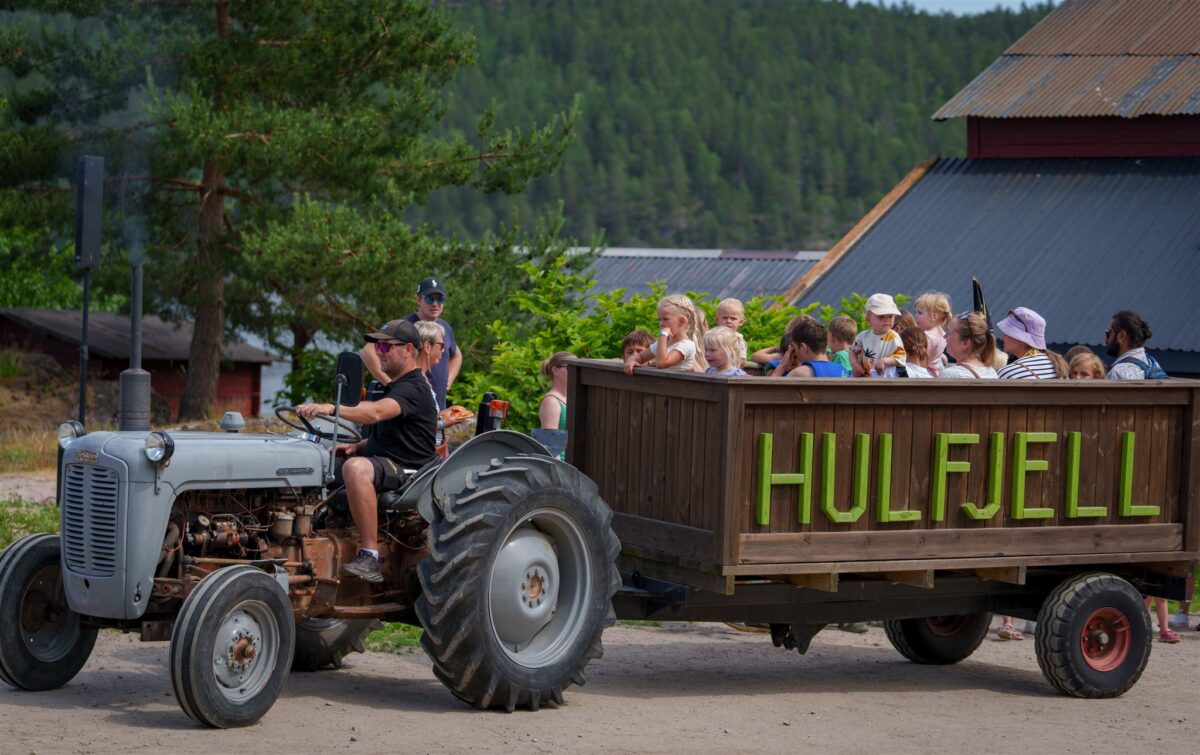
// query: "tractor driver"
[[405, 420]]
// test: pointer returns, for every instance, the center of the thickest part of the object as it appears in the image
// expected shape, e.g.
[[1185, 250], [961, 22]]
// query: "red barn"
[[164, 352]]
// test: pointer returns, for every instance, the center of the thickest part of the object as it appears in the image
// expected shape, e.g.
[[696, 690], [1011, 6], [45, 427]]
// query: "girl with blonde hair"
[[723, 352], [681, 329]]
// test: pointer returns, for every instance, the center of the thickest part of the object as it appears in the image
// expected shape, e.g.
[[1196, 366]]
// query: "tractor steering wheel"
[[321, 425]]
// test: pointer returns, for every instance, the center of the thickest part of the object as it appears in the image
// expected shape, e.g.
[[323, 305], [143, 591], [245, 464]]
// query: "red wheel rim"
[[946, 626], [1105, 639]]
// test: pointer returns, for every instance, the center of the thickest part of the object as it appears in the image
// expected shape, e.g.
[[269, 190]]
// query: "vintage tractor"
[[229, 544]]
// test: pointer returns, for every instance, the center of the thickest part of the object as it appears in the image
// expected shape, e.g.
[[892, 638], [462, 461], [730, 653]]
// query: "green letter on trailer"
[[942, 465], [884, 513], [995, 481], [765, 478], [862, 473], [1125, 505], [1071, 493], [1022, 464]]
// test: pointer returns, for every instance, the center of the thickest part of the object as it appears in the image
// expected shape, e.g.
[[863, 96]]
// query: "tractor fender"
[[473, 456]]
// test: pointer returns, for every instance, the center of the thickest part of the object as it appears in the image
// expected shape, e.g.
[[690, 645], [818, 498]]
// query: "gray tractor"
[[229, 544]]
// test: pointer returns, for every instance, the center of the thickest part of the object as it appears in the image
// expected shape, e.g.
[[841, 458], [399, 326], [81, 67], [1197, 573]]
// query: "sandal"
[[1007, 632], [1166, 635]]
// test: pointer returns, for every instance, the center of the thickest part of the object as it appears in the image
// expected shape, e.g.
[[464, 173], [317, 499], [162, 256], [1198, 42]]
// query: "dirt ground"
[[28, 486], [687, 688]]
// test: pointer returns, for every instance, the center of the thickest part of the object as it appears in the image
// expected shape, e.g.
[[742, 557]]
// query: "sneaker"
[[1178, 621], [365, 567], [857, 627], [1030, 627]]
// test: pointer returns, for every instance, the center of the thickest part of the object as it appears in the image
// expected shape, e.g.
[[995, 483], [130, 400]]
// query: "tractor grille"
[[89, 511]]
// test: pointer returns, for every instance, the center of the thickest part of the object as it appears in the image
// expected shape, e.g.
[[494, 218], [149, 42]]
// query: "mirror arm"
[[339, 382]]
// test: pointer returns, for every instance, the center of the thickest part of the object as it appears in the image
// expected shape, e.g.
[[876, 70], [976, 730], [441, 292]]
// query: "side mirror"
[[349, 377]]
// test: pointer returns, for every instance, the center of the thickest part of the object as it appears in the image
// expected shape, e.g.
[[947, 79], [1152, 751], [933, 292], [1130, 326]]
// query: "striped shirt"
[[1032, 366]]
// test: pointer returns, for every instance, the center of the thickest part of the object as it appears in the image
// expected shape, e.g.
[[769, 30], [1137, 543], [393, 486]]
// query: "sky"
[[960, 7]]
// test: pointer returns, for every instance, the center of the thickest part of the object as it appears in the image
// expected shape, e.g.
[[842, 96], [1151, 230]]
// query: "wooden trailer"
[[803, 502]]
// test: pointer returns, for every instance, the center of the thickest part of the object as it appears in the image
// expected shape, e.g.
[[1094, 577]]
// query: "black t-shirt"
[[407, 439]]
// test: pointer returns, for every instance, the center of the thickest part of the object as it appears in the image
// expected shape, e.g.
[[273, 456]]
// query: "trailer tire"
[[242, 616], [43, 643], [517, 587], [1093, 636], [322, 643], [938, 640]]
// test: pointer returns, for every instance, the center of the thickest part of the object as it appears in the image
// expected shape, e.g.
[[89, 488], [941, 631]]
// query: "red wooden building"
[[164, 352]]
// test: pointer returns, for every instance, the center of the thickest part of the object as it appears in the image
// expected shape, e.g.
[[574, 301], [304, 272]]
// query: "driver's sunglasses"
[[384, 347], [431, 299]]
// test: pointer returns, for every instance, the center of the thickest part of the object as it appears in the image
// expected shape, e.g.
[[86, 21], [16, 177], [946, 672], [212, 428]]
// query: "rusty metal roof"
[[1119, 58]]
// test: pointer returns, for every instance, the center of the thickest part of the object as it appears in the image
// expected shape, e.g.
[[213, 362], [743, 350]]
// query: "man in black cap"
[[431, 302], [405, 420]]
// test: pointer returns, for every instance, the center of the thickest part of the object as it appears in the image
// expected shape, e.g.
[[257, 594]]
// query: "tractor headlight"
[[69, 431], [159, 447]]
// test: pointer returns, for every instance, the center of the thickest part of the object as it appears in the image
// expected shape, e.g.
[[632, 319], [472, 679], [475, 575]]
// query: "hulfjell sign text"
[[886, 511]]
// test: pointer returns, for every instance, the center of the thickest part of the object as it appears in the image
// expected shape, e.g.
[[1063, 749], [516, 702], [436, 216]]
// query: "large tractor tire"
[[43, 643], [938, 640], [1093, 636], [323, 643], [232, 647], [518, 584]]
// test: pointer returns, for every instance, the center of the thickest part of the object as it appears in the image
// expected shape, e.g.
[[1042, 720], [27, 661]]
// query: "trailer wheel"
[[232, 647], [43, 643], [518, 584], [322, 643], [938, 640], [1093, 636]]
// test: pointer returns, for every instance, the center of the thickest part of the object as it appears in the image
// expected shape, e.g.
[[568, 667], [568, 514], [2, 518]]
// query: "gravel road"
[[687, 688]]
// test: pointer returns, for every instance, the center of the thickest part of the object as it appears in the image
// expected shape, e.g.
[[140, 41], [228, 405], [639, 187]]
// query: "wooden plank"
[[922, 578], [822, 582], [1189, 494], [684, 541], [577, 418], [659, 382], [1010, 541], [847, 242], [952, 564], [730, 414], [1013, 575]]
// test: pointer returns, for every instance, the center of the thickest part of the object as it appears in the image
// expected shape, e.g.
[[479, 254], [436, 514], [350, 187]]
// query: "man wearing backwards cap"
[[403, 437], [1025, 338]]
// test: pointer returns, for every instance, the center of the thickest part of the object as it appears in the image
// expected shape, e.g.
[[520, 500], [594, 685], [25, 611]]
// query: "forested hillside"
[[718, 123]]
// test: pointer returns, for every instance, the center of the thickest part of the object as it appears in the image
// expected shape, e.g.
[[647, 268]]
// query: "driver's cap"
[[396, 330]]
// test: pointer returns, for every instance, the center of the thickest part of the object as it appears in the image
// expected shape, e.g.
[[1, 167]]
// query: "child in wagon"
[[681, 329], [878, 350]]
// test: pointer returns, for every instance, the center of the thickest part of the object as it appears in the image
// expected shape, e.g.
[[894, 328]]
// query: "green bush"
[[563, 314]]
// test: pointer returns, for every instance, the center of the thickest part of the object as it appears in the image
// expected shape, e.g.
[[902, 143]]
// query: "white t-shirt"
[[880, 347], [1036, 366], [917, 371], [685, 347], [960, 372]]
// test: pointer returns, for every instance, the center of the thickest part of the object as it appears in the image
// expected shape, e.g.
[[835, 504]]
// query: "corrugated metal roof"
[[1122, 58], [108, 335], [1074, 239], [1115, 27], [740, 274]]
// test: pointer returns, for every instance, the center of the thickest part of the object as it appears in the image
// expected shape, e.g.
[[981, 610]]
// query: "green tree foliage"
[[721, 123], [567, 315], [262, 152]]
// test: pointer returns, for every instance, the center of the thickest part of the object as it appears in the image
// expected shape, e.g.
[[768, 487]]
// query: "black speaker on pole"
[[89, 194]]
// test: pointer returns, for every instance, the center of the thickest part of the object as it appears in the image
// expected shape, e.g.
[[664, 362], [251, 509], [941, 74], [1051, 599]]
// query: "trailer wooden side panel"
[[730, 474]]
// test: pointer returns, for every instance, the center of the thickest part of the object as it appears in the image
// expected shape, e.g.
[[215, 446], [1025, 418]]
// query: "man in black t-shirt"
[[405, 420]]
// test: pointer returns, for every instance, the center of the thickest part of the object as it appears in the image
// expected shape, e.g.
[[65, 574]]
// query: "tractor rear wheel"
[[43, 643], [518, 584], [322, 643], [938, 640], [232, 647]]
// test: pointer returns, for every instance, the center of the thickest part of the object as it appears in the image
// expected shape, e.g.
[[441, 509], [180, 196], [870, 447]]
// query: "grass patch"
[[395, 638], [27, 450], [640, 623], [10, 364], [20, 518]]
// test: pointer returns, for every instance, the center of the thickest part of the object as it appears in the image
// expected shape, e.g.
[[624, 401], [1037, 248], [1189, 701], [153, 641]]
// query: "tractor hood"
[[208, 460]]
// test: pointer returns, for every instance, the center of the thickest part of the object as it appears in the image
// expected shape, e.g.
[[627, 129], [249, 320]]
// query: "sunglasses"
[[384, 347], [431, 299]]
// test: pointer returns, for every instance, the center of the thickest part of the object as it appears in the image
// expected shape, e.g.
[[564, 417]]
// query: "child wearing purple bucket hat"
[[1025, 339]]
